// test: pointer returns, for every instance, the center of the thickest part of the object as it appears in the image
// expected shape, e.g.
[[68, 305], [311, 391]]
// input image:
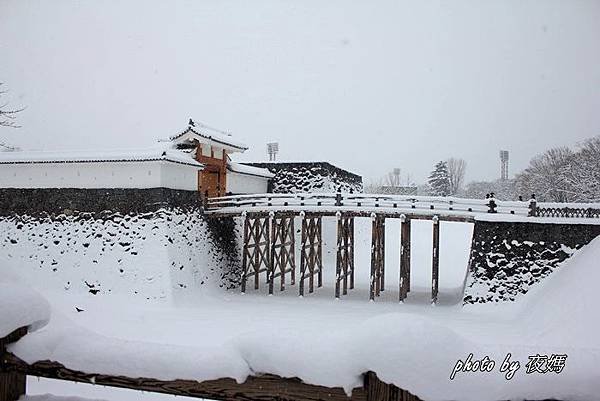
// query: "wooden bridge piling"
[[435, 268], [256, 256], [377, 255], [311, 252], [404, 256], [283, 250], [344, 272]]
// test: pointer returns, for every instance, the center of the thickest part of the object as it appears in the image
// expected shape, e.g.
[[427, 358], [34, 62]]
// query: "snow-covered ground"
[[324, 341]]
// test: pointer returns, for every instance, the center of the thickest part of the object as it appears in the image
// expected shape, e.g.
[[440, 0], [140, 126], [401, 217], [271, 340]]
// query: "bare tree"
[[582, 173], [8, 115], [456, 174], [545, 176]]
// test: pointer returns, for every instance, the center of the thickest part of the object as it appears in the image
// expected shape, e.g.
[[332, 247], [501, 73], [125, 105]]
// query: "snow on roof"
[[249, 170], [156, 153], [214, 137]]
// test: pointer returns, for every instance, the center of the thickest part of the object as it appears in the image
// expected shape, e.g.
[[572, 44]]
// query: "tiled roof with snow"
[[215, 137], [157, 153]]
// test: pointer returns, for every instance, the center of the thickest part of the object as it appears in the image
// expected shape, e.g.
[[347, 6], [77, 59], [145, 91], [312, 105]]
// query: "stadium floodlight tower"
[[504, 164], [272, 150], [396, 173]]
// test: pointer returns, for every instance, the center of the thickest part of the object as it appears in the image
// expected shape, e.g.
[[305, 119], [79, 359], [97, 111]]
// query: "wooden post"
[[382, 228], [12, 384], [338, 259], [310, 252], [377, 254], [270, 255], [404, 256], [351, 252], [291, 251], [345, 254], [256, 249], [376, 390], [282, 248], [319, 254], [245, 254], [435, 270]]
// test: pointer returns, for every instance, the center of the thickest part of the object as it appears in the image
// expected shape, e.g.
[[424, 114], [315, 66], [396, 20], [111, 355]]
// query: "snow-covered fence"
[[358, 201], [13, 372], [572, 210], [418, 203]]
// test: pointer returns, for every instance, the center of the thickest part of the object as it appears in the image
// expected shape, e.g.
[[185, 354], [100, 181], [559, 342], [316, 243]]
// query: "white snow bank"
[[339, 359], [563, 307], [84, 350], [19, 305]]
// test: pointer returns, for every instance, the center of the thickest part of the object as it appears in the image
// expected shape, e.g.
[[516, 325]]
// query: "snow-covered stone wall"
[[507, 258], [293, 177], [153, 244]]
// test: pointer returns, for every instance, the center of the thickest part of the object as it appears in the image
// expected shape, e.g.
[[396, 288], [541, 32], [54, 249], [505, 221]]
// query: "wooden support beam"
[[404, 256], [345, 254], [283, 258], [376, 390], [245, 254], [311, 260], [256, 256], [435, 269], [377, 255], [12, 384]]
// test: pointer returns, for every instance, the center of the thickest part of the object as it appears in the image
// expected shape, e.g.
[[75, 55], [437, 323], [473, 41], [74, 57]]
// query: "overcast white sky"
[[367, 85]]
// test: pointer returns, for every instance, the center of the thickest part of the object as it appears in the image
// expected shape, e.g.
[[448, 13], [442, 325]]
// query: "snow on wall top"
[[160, 152], [250, 170]]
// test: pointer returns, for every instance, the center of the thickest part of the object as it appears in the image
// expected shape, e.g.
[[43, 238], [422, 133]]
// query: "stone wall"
[[507, 258], [310, 177], [152, 243], [55, 201]]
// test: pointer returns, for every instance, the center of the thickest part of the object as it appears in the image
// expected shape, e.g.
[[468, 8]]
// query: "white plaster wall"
[[179, 176], [151, 174], [246, 184]]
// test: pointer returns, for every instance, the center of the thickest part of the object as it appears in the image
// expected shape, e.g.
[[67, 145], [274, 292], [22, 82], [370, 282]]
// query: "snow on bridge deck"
[[364, 205]]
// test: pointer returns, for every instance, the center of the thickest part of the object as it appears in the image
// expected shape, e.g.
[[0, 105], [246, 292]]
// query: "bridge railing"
[[357, 201]]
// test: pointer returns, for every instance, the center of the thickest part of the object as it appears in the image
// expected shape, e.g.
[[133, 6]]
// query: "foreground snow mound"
[[81, 349], [384, 344], [19, 305], [562, 309]]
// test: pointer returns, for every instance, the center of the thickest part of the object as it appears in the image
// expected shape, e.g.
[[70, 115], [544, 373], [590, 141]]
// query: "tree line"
[[559, 174]]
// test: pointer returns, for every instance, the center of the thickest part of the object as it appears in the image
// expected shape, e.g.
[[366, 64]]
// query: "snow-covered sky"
[[367, 85]]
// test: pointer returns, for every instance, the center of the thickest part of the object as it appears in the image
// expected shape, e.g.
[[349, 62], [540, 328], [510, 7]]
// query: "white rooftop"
[[161, 151]]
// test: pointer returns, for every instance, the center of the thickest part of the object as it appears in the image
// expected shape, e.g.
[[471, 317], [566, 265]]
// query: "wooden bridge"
[[269, 240]]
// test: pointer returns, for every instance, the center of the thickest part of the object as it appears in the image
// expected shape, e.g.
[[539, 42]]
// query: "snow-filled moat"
[[211, 332]]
